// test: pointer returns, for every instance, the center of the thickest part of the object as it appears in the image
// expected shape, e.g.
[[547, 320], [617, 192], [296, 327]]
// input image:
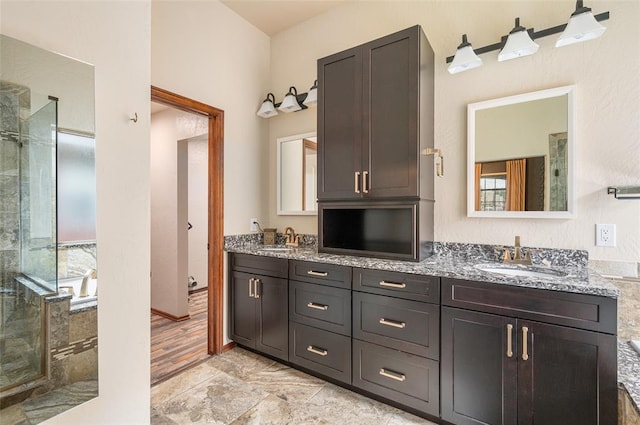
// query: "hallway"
[[176, 346]]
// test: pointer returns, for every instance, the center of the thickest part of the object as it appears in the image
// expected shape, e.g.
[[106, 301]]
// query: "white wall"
[[113, 36], [169, 206], [607, 101], [204, 51], [198, 189]]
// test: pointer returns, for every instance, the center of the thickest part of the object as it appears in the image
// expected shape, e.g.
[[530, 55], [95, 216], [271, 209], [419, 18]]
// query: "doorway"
[[215, 233]]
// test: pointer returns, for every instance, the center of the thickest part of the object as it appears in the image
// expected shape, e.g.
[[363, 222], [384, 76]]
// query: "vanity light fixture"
[[290, 102], [465, 58], [268, 109], [582, 26], [519, 43], [312, 96]]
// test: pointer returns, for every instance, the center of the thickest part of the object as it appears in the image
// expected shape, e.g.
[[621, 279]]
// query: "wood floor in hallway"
[[176, 346]]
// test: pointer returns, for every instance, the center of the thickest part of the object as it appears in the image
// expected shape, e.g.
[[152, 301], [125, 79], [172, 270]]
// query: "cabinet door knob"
[[509, 340], [392, 323], [392, 284], [393, 375], [318, 306], [318, 351], [356, 182], [525, 354]]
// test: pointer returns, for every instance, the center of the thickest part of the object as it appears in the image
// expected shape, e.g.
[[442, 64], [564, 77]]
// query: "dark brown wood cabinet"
[[506, 369], [259, 306], [375, 114]]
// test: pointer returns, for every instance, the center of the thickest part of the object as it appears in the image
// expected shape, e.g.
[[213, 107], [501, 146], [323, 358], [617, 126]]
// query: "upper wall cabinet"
[[375, 115]]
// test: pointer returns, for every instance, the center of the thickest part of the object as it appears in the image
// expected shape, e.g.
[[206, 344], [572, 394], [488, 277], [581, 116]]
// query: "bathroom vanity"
[[441, 338]]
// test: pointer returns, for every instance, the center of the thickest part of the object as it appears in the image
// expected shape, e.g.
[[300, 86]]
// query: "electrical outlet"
[[605, 235], [253, 225]]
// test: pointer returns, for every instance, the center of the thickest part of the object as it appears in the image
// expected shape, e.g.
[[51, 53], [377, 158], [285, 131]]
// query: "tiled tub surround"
[[71, 368], [74, 259], [458, 261]]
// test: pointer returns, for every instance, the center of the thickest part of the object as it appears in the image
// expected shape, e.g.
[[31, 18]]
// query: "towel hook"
[[135, 117]]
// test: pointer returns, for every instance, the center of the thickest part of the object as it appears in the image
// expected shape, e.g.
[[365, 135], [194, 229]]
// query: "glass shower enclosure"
[[28, 240]]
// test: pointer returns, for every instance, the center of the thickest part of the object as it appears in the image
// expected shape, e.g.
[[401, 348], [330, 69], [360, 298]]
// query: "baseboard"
[[195, 291], [170, 316], [228, 347]]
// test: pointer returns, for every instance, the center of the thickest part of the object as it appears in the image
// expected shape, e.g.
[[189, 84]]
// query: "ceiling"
[[273, 16]]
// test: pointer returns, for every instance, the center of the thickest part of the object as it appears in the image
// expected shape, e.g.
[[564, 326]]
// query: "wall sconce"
[[292, 102], [518, 44], [437, 155], [312, 96], [582, 26], [268, 109]]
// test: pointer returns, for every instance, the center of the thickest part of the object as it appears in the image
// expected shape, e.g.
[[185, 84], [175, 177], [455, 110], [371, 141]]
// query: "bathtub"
[[76, 283]]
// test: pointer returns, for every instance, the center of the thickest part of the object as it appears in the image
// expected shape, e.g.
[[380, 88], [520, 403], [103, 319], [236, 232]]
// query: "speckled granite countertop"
[[629, 371], [577, 280]]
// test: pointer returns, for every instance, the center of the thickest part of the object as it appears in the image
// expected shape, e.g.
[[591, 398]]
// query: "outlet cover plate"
[[605, 235]]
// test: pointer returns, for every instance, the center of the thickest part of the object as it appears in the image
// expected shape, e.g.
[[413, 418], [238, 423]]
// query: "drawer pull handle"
[[392, 323], [356, 181], [393, 375], [525, 354], [392, 284], [315, 273], [318, 351], [318, 306], [509, 340]]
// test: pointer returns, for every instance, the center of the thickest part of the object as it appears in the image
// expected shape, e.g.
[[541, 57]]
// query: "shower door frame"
[[215, 278]]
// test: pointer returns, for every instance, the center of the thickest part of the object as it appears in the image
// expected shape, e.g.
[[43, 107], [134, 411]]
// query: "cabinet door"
[[566, 376], [478, 377], [273, 317], [391, 115], [243, 309], [340, 126]]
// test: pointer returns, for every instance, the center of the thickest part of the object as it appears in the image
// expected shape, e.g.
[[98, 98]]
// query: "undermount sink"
[[277, 248], [520, 270]]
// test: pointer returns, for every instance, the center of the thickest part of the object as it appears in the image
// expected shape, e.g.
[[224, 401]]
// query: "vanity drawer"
[[268, 266], [321, 273], [321, 351], [581, 311], [404, 378], [401, 285], [320, 306], [409, 326]]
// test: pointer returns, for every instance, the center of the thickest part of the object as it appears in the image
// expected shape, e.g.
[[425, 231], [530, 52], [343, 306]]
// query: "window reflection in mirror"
[[520, 156], [297, 174]]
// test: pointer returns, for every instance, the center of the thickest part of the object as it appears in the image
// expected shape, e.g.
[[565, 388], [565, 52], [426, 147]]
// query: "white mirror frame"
[[279, 142], [471, 154]]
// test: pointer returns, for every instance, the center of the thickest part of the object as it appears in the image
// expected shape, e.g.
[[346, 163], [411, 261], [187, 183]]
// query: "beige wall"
[[113, 36], [605, 72], [204, 51]]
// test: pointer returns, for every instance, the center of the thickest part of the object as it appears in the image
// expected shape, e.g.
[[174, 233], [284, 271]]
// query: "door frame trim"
[[215, 278]]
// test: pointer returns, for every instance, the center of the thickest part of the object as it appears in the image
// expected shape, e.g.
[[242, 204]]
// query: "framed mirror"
[[521, 156], [297, 158]]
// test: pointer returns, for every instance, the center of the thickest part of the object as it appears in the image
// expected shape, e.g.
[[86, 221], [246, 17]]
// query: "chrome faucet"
[[517, 254], [292, 238], [84, 287]]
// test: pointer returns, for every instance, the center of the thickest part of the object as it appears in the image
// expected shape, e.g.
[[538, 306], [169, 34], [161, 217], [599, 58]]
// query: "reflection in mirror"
[[48, 290], [297, 170], [520, 156]]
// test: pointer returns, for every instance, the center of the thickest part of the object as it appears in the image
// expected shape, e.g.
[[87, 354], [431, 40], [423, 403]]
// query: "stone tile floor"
[[240, 387]]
